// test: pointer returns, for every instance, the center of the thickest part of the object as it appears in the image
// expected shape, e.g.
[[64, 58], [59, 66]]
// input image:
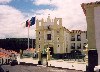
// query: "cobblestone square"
[[22, 68]]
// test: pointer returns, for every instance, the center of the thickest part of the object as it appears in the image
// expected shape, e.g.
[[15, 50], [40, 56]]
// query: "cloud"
[[69, 10], [5, 1], [41, 2], [12, 23]]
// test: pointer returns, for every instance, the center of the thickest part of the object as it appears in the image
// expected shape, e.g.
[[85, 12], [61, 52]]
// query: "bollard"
[[7, 70], [47, 63], [50, 57]]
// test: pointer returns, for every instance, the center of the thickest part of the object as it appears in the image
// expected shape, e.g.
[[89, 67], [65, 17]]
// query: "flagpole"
[[28, 36], [30, 24], [32, 43]]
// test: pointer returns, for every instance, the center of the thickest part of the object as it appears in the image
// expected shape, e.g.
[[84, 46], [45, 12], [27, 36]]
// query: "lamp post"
[[75, 55]]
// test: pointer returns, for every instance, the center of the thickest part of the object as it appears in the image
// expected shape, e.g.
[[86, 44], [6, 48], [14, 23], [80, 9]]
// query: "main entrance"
[[44, 58], [51, 48]]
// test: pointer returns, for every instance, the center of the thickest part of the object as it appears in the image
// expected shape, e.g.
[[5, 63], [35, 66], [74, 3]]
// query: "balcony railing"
[[78, 47], [72, 47], [78, 39], [72, 39]]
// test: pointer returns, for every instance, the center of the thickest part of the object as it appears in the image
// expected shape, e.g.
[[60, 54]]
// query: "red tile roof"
[[6, 53]]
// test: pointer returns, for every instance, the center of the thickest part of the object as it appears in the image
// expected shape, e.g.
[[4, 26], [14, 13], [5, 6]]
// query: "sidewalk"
[[58, 63], [68, 64], [27, 60]]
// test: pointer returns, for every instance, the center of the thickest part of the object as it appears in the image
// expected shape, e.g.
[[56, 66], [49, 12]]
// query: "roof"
[[6, 53], [77, 31], [89, 4], [3, 54]]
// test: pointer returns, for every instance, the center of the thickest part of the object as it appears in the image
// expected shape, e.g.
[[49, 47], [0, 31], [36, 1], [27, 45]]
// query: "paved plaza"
[[22, 68], [59, 63]]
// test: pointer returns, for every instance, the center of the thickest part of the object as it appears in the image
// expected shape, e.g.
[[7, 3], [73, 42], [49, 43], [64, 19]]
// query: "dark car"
[[14, 62]]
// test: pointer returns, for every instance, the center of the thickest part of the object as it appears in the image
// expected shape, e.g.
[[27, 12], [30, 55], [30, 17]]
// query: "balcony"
[[72, 47], [78, 47], [72, 39], [78, 39]]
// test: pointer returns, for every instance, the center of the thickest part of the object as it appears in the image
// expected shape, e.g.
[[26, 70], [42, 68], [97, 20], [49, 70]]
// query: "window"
[[48, 36], [39, 46], [39, 32], [78, 38], [78, 45], [66, 49], [48, 27], [58, 45], [72, 38], [58, 38], [72, 45]]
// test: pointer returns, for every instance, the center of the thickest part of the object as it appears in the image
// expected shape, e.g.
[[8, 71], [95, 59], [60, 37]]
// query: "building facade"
[[52, 34], [78, 40], [92, 13]]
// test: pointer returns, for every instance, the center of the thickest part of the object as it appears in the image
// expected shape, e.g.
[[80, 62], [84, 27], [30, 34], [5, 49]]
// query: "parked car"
[[14, 62]]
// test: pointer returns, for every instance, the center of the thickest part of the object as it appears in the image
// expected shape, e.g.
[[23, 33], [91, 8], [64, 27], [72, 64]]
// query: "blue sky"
[[14, 13], [27, 5]]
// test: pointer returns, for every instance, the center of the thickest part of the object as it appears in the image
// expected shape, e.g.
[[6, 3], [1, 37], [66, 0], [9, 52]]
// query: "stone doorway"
[[51, 49]]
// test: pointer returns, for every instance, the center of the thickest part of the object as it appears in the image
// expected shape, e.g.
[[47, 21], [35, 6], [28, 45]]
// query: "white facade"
[[79, 40], [60, 37], [57, 34]]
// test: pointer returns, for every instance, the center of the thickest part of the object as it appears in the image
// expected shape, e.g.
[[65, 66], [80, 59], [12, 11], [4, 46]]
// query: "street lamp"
[[75, 55]]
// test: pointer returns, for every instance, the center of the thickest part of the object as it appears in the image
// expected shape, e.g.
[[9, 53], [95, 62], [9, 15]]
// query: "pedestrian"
[[34, 54]]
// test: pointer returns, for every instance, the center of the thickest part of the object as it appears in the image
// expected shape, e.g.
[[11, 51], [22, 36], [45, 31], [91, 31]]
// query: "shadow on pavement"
[[1, 70]]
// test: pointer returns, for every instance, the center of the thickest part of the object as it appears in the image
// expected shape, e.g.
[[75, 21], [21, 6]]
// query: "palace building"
[[50, 33]]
